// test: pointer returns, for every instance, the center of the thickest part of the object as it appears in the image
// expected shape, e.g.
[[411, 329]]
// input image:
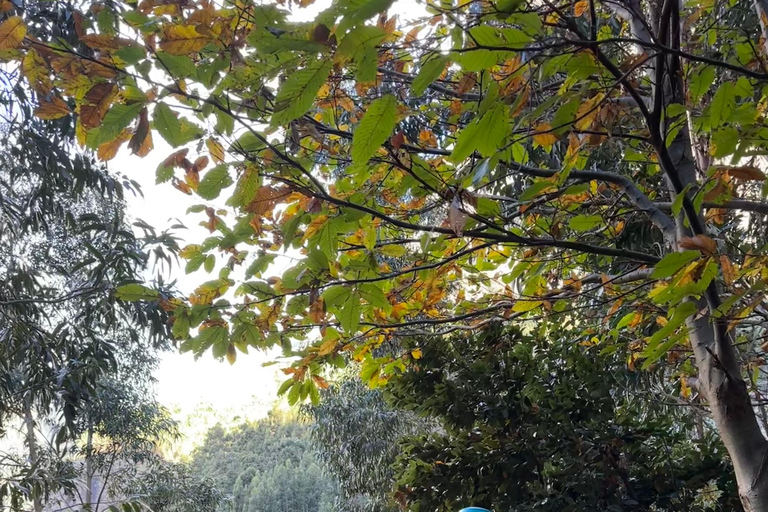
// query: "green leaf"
[[722, 104], [179, 66], [428, 73], [116, 120], [536, 189], [214, 181], [135, 292], [298, 93], [349, 314], [374, 128], [700, 82], [673, 262], [585, 222], [374, 296], [486, 135], [164, 173], [336, 295], [175, 131]]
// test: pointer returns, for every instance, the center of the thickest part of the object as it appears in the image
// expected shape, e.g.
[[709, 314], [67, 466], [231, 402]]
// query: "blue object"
[[474, 509]]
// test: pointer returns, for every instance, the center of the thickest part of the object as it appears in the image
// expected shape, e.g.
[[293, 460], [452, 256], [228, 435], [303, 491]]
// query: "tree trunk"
[[717, 362], [88, 470], [29, 423]]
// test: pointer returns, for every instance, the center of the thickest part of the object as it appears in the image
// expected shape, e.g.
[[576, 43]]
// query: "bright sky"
[[245, 389]]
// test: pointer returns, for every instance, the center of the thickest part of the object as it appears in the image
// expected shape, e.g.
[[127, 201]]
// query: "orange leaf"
[[699, 243], [543, 135], [54, 109], [580, 7], [729, 273], [321, 382], [12, 32], [108, 150], [266, 198]]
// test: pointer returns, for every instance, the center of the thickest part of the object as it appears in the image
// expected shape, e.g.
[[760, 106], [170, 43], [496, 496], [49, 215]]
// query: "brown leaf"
[[700, 243], [466, 83], [140, 135], [53, 109], [321, 382], [102, 42], [200, 164], [397, 140], [175, 158], [321, 33], [266, 198], [180, 185], [97, 101], [456, 218], [744, 173]]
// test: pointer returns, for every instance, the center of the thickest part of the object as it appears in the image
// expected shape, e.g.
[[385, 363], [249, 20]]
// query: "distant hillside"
[[266, 465]]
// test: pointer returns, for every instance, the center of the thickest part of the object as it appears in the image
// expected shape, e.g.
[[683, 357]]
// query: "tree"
[[64, 245], [356, 436], [491, 160], [266, 465], [531, 424]]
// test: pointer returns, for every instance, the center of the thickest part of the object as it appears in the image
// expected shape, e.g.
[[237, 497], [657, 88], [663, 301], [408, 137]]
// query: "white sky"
[[245, 389]]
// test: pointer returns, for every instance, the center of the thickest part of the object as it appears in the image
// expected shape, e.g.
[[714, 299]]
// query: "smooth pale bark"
[[720, 380], [29, 423], [717, 362]]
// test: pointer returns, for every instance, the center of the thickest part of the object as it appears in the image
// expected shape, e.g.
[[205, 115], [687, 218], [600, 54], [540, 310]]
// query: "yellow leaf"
[[182, 40], [54, 109], [12, 32], [215, 149], [543, 136], [580, 8], [588, 111], [416, 353], [523, 306], [231, 354], [327, 347]]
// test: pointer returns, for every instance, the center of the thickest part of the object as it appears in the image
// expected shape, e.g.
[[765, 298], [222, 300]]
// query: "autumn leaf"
[[543, 136], [54, 109], [12, 32], [266, 198], [700, 243], [588, 111], [182, 40], [141, 141], [215, 149], [744, 173], [97, 101], [580, 7], [108, 150], [729, 272]]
